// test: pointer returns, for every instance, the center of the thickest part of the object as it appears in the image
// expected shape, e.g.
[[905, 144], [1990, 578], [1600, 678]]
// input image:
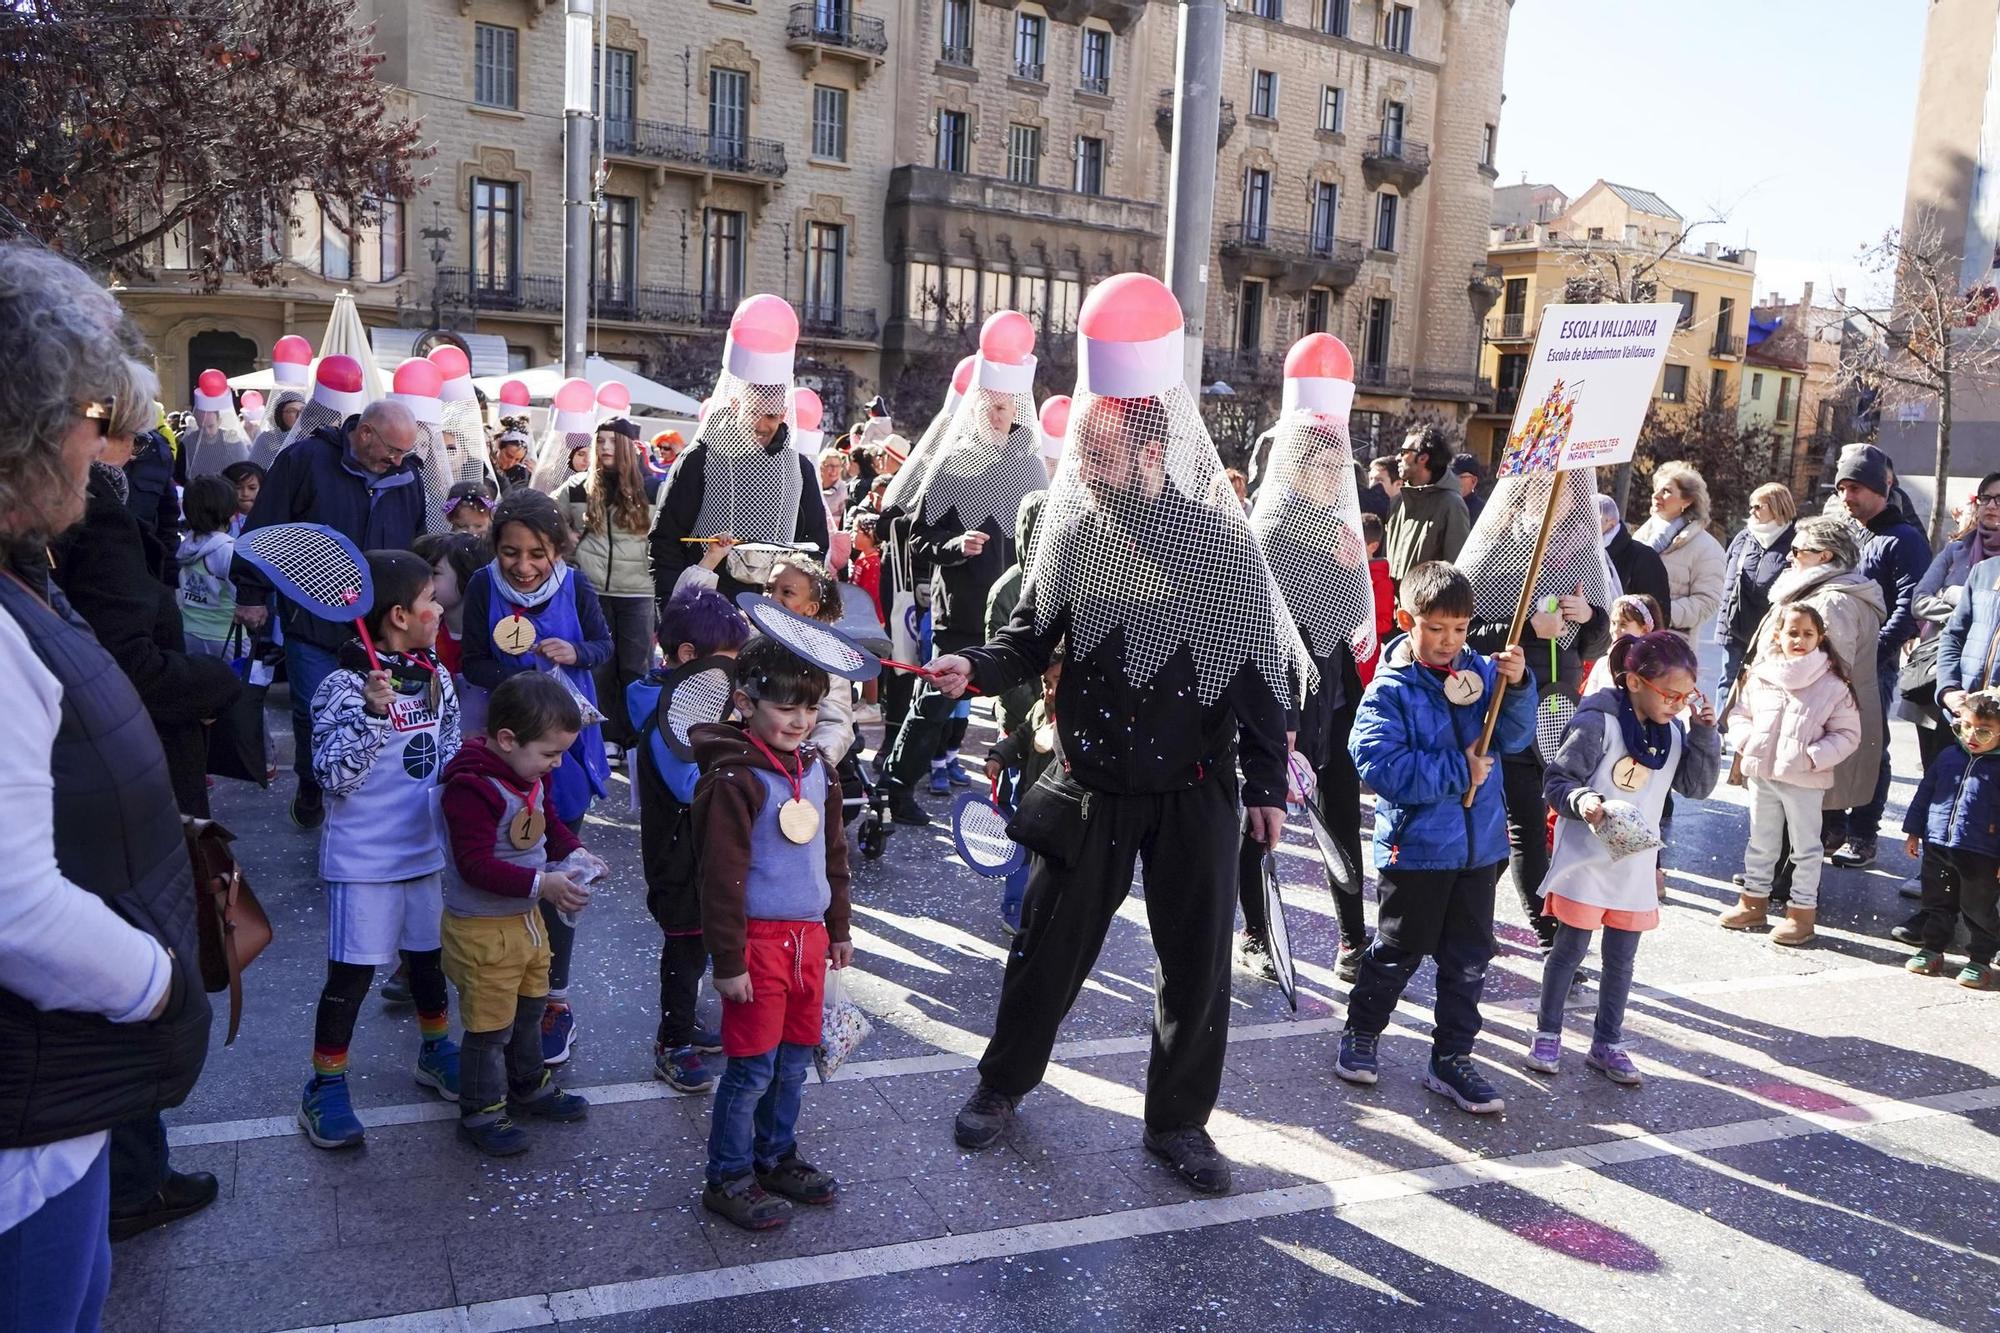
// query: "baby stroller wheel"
[[873, 834]]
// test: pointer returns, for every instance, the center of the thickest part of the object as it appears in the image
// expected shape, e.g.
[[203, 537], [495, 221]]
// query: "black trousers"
[[1960, 882], [632, 625], [1339, 803], [1527, 835], [928, 721], [1443, 914], [1186, 841]]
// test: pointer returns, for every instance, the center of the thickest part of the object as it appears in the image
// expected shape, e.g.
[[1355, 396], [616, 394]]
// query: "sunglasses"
[[1975, 731], [1673, 698], [100, 410]]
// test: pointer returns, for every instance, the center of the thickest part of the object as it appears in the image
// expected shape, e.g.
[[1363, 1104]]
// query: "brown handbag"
[[231, 927]]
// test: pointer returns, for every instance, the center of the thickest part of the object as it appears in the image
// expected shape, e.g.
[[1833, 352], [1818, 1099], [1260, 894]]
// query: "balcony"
[[1506, 398], [659, 305], [1382, 379], [1030, 71], [542, 294], [957, 57], [834, 323], [1094, 85], [1453, 387], [1729, 345], [539, 293], [1394, 160], [819, 30], [1294, 260], [1241, 366], [682, 150], [928, 190], [1163, 120], [1510, 328]]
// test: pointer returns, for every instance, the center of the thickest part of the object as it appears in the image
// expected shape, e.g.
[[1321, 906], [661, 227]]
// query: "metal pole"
[[1191, 188], [577, 105]]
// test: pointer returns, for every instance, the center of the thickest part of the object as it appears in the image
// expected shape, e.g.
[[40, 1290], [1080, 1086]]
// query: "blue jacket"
[[1409, 744], [1746, 594], [1897, 557], [1967, 639], [1957, 804]]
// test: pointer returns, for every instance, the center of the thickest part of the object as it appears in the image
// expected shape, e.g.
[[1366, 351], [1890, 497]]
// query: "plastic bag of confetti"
[[842, 1027], [1625, 831]]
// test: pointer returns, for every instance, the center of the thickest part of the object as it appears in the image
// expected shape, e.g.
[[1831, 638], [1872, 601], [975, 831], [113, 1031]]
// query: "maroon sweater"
[[472, 809]]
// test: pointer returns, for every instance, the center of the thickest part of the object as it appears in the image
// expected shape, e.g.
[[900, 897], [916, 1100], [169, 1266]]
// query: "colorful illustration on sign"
[[1537, 447]]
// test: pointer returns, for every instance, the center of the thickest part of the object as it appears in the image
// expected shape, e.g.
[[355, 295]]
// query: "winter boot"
[[1748, 914], [1797, 927]]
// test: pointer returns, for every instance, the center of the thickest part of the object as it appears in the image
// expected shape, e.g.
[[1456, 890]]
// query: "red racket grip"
[[925, 672], [368, 642]]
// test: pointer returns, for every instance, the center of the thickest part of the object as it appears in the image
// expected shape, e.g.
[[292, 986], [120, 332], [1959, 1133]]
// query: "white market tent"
[[648, 397]]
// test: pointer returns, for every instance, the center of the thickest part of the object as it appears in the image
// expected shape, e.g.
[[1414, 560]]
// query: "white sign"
[[1587, 389]]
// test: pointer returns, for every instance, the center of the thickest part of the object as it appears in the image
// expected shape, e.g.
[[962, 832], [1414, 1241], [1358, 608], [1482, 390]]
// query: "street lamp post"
[[577, 117], [438, 234]]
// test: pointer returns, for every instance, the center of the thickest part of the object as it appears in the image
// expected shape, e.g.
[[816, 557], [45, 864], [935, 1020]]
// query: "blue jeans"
[[1865, 821], [757, 1111], [307, 665], [1732, 666], [1613, 989], [55, 1265]]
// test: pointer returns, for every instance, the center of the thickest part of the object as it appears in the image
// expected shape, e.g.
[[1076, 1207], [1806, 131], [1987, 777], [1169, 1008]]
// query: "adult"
[[1429, 520], [1678, 532], [1823, 574], [1168, 683], [832, 486], [742, 478], [218, 437], [1468, 472], [102, 1014], [1378, 497], [610, 508], [151, 496], [280, 416], [1637, 568], [1896, 556], [1939, 593], [510, 454], [361, 478], [1756, 557]]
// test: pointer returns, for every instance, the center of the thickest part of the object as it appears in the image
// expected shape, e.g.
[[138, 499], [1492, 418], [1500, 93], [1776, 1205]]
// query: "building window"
[[1089, 165], [1725, 320], [494, 82], [1030, 41], [1250, 317], [616, 71], [616, 258], [1256, 205], [1095, 62], [1718, 387], [1784, 398], [1393, 117], [954, 129], [830, 123], [831, 19], [336, 249], [1065, 297], [961, 296], [722, 262], [1594, 234], [1513, 371], [1756, 386], [1375, 344], [496, 210], [957, 32], [1684, 299], [1332, 109], [826, 253], [1273, 10], [1385, 221], [1325, 216], [1674, 387], [382, 261], [1264, 94], [1397, 23], [1489, 140], [1319, 310], [923, 293], [996, 292], [1031, 297], [729, 110], [1024, 154], [1333, 17]]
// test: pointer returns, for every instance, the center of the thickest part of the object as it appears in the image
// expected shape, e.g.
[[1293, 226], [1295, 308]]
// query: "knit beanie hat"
[[1865, 465]]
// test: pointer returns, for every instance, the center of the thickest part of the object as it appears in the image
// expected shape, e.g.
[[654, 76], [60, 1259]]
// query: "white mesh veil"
[[1308, 520], [1141, 533], [315, 416], [985, 461], [218, 441], [909, 478], [552, 458], [272, 439], [471, 460], [437, 475], [748, 492]]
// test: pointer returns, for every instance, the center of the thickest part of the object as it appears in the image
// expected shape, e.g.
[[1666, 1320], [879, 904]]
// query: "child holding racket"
[[382, 731], [774, 910]]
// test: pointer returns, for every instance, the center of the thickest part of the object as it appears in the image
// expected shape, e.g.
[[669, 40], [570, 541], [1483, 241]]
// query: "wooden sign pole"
[[1521, 614]]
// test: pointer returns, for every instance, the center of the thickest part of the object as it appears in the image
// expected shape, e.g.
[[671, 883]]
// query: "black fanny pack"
[[1053, 816]]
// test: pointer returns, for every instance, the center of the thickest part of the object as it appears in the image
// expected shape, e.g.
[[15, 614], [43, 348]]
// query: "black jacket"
[[960, 583], [687, 485], [152, 499], [1746, 591], [1640, 570]]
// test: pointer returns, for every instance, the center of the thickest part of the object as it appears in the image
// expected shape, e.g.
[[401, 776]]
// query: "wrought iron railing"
[[830, 25], [663, 141]]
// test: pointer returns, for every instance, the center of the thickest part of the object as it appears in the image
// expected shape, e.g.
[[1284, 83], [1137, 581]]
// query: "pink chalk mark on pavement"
[[1807, 1099], [1581, 1238]]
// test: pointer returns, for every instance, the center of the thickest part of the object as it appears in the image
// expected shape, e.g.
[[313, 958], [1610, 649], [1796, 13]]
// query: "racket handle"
[[925, 672], [368, 642]]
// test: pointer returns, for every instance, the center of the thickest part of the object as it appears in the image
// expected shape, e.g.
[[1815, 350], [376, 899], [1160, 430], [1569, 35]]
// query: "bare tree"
[[1706, 433], [1929, 344]]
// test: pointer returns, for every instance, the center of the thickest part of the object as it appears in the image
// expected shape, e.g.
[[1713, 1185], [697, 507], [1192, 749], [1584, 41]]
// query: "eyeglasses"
[[1985, 500], [100, 410], [1673, 699], [1982, 732]]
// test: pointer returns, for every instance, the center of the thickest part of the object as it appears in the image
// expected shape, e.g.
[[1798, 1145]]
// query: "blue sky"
[[1793, 117]]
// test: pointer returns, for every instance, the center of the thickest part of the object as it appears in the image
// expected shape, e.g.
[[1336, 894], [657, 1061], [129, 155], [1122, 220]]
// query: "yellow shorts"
[[495, 960]]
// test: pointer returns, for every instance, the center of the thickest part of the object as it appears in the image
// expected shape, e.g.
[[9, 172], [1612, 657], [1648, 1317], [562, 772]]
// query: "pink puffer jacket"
[[1794, 720]]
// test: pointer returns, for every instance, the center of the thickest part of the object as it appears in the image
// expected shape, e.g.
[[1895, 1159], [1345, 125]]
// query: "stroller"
[[864, 805]]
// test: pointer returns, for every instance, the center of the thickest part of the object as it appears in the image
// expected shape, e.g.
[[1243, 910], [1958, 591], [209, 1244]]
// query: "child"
[[1792, 720], [1372, 536], [1622, 745], [697, 623], [528, 611], [207, 598], [866, 569], [468, 510], [1029, 749], [380, 736], [507, 843], [773, 908], [1633, 614], [1952, 819], [455, 558], [1416, 744], [248, 479], [510, 455]]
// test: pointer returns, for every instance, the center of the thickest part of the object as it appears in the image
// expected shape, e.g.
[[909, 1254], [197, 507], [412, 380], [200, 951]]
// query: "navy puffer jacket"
[[1957, 804]]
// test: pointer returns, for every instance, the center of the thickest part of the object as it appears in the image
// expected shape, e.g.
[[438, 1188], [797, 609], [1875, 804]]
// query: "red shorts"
[[786, 961]]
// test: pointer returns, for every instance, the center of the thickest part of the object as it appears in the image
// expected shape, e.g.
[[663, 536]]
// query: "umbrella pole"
[[1520, 617]]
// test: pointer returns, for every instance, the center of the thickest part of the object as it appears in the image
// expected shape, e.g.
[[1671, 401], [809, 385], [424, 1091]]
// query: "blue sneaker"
[[558, 1033], [497, 1137], [1456, 1077], [955, 773], [1357, 1057], [548, 1102], [707, 1040], [437, 1067], [682, 1069], [326, 1114], [940, 781]]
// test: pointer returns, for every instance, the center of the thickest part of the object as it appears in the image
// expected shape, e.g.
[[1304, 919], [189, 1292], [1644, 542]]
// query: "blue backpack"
[[642, 700]]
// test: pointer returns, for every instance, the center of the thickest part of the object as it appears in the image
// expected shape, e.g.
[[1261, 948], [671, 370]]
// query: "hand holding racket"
[[378, 693], [950, 673]]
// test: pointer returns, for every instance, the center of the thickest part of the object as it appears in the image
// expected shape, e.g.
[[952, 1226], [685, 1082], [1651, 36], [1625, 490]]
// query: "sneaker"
[[903, 808], [549, 1102], [983, 1118], [1253, 955], [955, 773], [799, 1180], [1456, 1077], [396, 990], [1356, 1062], [308, 808], [326, 1114], [1545, 1055], [437, 1067], [707, 1040], [1973, 976], [1737, 879], [1193, 1156], [682, 1069], [498, 1137], [1347, 963], [1855, 854], [940, 781], [1830, 843], [1926, 963], [744, 1202], [1614, 1064], [1907, 932], [1010, 915], [558, 1033]]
